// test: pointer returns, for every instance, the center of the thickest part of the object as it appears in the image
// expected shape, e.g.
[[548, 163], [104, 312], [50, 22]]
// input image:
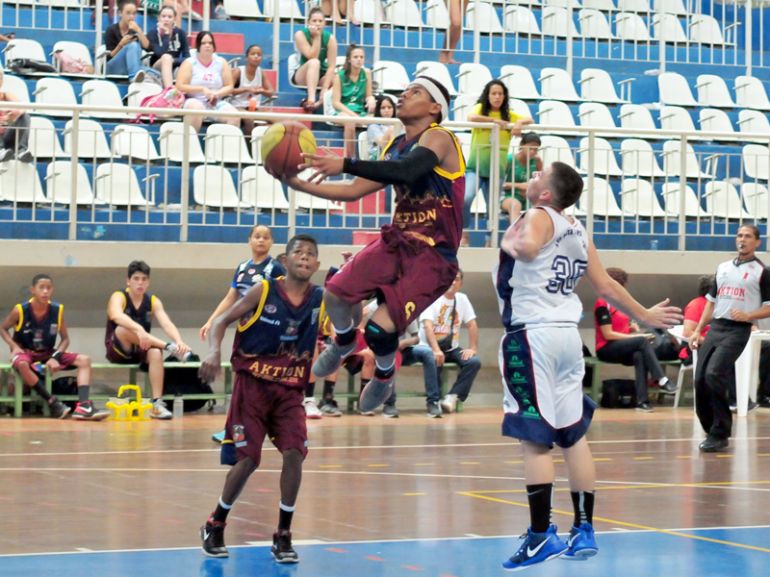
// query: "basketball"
[[282, 147]]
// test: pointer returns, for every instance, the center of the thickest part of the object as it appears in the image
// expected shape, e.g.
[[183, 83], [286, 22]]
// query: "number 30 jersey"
[[542, 292]]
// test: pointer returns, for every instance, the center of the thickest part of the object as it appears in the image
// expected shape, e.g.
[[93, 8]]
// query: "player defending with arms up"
[[543, 256], [415, 259]]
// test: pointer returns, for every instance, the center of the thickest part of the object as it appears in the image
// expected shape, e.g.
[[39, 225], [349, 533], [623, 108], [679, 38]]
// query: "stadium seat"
[[76, 50], [631, 27], [555, 148], [671, 191], [226, 143], [172, 143], [676, 118], [20, 48], [117, 185], [489, 22], [20, 182], [637, 198], [593, 24], [604, 202], [519, 107], [596, 114], [704, 29], [16, 86], [676, 7], [672, 166], [713, 92], [261, 190], [637, 158], [103, 93], [750, 93], [556, 84], [389, 76], [666, 27], [520, 20], [640, 6], [604, 164], [73, 4], [555, 113], [213, 188], [462, 106], [723, 201], [636, 116], [368, 11], [92, 143], [716, 120], [242, 9], [309, 202], [403, 13], [555, 21], [43, 139], [138, 91], [519, 81], [59, 180], [563, 3], [756, 161], [472, 78], [756, 198], [596, 85], [436, 70], [287, 10], [604, 5], [464, 138], [131, 141], [54, 91], [436, 14], [673, 89], [256, 142], [754, 122]]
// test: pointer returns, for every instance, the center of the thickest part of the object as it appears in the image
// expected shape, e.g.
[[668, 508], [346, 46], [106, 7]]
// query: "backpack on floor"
[[185, 381], [618, 394], [167, 98]]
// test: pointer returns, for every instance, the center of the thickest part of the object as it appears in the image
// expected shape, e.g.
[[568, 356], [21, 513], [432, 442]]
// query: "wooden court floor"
[[72, 486]]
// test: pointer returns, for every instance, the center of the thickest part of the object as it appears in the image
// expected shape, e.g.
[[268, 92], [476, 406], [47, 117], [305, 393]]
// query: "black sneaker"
[[282, 550], [58, 409], [213, 539], [713, 444], [25, 156], [764, 402], [434, 410], [644, 407]]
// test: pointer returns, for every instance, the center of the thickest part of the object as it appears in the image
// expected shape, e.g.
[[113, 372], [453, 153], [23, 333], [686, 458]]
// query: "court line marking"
[[639, 526]]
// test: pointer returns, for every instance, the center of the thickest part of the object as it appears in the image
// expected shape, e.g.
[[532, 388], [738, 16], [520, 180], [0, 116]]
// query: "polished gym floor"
[[381, 497]]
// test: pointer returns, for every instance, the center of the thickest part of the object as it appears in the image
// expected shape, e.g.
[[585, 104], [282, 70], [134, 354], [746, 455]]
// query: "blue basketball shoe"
[[581, 543], [536, 548]]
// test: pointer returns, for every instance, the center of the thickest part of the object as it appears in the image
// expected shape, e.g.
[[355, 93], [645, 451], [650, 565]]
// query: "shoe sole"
[[65, 414], [215, 555], [528, 565], [313, 417], [580, 555], [286, 561], [374, 394], [161, 417], [94, 417]]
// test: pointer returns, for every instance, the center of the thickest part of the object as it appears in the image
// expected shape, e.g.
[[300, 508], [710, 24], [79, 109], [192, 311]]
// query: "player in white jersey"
[[543, 256]]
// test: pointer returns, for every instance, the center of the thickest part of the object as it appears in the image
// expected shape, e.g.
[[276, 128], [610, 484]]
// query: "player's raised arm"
[[525, 237]]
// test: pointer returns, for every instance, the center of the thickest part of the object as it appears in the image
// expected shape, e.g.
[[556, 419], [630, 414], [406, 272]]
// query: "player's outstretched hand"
[[323, 163], [210, 367], [663, 315]]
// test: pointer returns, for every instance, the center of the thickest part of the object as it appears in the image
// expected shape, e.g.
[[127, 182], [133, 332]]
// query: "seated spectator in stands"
[[14, 130], [618, 340], [441, 323], [206, 80], [37, 323], [456, 9], [125, 41], [692, 314], [521, 167], [181, 9], [352, 94], [251, 84], [128, 340], [169, 46], [378, 135], [317, 50], [339, 10]]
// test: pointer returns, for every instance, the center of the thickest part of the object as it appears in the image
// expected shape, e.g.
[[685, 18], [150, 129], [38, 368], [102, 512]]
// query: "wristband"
[[56, 356]]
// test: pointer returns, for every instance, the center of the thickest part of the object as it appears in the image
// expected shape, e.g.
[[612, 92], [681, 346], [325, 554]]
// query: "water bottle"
[[39, 368], [178, 407]]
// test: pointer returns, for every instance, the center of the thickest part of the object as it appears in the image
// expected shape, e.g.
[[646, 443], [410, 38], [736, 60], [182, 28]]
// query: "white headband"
[[436, 94]]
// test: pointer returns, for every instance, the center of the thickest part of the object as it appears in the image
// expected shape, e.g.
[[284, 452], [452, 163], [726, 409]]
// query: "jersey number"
[[566, 274]]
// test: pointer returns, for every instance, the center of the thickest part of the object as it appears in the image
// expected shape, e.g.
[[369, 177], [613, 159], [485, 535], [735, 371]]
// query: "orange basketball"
[[282, 147]]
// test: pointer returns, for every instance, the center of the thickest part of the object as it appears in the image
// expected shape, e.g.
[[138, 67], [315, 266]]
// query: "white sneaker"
[[138, 77], [311, 409], [159, 411], [449, 403]]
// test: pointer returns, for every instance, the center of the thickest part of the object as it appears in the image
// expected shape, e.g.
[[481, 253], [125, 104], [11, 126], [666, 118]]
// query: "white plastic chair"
[[723, 201], [261, 190], [472, 78], [519, 107], [605, 5], [595, 114], [756, 161], [519, 81], [555, 148], [131, 141], [666, 27], [704, 29], [678, 333], [92, 142], [55, 91], [671, 191], [226, 143], [712, 91], [16, 86], [403, 13], [755, 196], [117, 185], [43, 139], [436, 14], [604, 202], [631, 27], [640, 6], [486, 14], [638, 199], [563, 3], [520, 20], [636, 116], [593, 24], [605, 163], [58, 184], [171, 141], [673, 89], [555, 21], [638, 159], [676, 7], [20, 48], [367, 11], [103, 93], [556, 113], [309, 202], [20, 182], [462, 106], [256, 142], [676, 118], [77, 50], [672, 166], [437, 71], [750, 93], [556, 84], [243, 9], [596, 85], [139, 91], [754, 122], [715, 120], [389, 76], [287, 10], [213, 188]]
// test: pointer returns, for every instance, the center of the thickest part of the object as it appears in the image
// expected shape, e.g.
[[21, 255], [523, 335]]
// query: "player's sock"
[[345, 337], [285, 513], [385, 366], [39, 388], [221, 512], [310, 389], [329, 390], [583, 503], [540, 506], [83, 392]]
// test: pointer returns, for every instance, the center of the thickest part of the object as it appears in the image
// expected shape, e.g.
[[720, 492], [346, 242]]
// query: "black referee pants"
[[715, 375]]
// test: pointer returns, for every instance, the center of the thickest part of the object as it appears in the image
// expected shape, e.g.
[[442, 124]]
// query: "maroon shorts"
[[408, 273], [117, 354], [259, 409], [66, 360]]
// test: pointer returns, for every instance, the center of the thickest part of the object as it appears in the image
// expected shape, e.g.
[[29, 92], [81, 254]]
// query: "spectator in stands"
[[456, 11], [339, 10], [352, 94], [128, 339], [206, 80], [378, 135], [618, 340], [251, 84], [125, 41], [440, 330], [492, 106], [317, 57], [37, 323], [169, 46], [14, 129], [522, 166], [181, 9]]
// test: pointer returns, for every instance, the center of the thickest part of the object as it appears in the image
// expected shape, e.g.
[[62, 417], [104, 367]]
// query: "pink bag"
[[71, 65], [167, 98]]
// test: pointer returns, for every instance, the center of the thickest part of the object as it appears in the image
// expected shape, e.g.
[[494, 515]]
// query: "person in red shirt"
[[692, 314], [618, 340]]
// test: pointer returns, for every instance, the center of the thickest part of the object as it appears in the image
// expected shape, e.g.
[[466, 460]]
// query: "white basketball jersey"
[[207, 76], [542, 292], [242, 100]]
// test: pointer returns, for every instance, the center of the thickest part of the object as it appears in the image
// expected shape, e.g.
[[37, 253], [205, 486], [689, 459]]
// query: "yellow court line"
[[602, 459], [643, 458], [414, 494], [378, 465], [636, 486], [626, 524], [470, 463]]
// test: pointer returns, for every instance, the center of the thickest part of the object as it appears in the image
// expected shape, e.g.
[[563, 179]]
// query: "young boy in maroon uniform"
[[37, 324]]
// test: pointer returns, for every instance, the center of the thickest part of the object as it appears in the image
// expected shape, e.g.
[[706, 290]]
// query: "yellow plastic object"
[[125, 410]]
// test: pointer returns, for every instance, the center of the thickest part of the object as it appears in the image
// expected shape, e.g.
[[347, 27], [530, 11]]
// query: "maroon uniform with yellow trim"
[[142, 314], [415, 259], [37, 335]]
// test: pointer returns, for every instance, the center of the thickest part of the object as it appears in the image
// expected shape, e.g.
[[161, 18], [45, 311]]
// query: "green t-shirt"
[[353, 94], [480, 148], [325, 35], [519, 173]]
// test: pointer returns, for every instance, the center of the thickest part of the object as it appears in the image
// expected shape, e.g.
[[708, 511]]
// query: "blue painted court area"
[[705, 552]]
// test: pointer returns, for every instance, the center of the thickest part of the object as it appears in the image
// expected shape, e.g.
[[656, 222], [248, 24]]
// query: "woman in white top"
[[251, 84], [206, 79]]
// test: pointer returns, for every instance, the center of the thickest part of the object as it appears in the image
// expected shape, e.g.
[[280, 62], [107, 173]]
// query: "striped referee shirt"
[[743, 286]]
